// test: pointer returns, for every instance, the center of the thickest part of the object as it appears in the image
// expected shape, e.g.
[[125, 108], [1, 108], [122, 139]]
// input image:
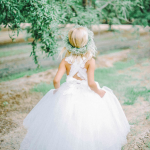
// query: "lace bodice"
[[77, 68]]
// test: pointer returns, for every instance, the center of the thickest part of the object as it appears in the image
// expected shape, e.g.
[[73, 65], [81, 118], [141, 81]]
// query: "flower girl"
[[77, 115]]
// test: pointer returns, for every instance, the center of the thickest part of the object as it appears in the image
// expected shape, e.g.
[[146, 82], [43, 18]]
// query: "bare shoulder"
[[63, 61], [91, 62]]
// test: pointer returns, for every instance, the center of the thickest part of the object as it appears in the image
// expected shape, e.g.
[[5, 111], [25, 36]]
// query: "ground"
[[19, 96]]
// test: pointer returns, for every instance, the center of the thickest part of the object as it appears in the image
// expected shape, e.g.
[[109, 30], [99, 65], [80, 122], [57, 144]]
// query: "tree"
[[45, 16], [140, 15]]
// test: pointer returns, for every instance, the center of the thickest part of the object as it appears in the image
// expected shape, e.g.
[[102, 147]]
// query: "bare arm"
[[59, 74], [91, 82]]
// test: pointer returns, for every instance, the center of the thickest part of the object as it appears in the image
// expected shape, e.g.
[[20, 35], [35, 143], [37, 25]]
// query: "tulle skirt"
[[76, 118]]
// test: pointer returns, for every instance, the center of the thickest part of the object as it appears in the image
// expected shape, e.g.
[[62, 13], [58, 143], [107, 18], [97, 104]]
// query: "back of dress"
[[77, 67]]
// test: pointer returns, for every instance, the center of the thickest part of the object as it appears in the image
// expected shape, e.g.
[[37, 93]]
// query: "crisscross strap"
[[77, 67]]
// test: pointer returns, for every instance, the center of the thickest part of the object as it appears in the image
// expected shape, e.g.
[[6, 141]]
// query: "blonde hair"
[[78, 37]]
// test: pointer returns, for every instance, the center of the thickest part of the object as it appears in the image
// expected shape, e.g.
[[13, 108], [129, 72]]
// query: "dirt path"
[[139, 137], [21, 101]]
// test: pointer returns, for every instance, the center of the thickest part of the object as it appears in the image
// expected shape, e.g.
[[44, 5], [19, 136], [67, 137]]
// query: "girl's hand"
[[55, 91], [101, 93]]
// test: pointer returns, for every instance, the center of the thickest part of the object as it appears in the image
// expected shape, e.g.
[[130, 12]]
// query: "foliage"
[[46, 16], [115, 12], [140, 15], [135, 12]]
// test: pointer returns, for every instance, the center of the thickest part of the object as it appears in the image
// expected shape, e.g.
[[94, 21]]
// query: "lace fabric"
[[77, 68]]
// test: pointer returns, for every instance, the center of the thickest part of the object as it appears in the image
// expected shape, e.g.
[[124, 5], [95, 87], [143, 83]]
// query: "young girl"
[[78, 115]]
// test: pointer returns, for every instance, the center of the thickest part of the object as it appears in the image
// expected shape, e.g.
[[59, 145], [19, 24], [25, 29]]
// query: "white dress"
[[76, 118]]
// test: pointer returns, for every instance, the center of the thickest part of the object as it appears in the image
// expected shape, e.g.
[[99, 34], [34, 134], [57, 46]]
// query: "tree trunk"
[[93, 2], [84, 3]]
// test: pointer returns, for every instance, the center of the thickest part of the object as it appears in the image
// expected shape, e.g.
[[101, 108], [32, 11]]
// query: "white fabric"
[[77, 67], [76, 118]]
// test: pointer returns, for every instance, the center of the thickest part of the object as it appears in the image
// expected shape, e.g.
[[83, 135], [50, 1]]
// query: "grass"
[[43, 87], [135, 122], [135, 70], [145, 64], [30, 72], [25, 73], [148, 144], [14, 52], [132, 94], [123, 65], [148, 115], [110, 51], [120, 83], [110, 77]]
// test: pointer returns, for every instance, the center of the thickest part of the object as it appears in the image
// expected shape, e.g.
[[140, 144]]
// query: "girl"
[[78, 115]]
